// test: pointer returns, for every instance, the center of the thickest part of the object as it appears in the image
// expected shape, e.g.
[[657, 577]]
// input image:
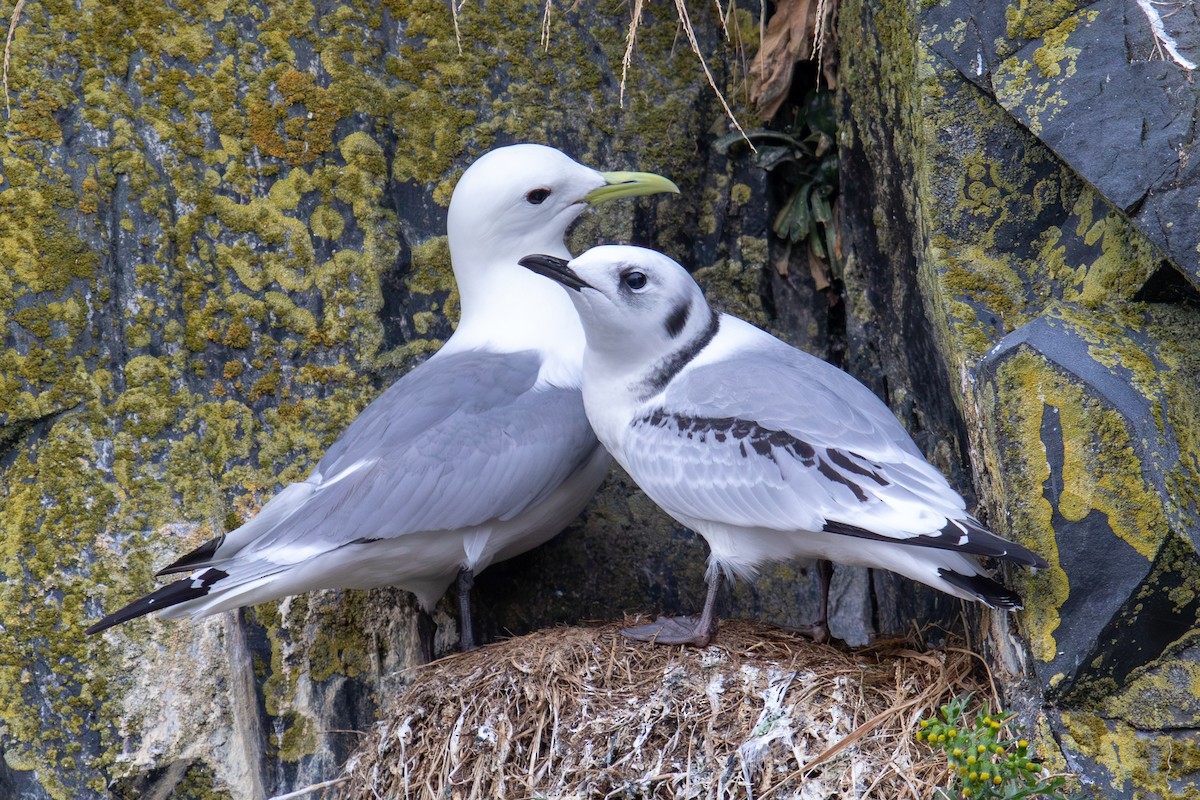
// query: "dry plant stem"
[[12, 28], [454, 15], [819, 34], [762, 34], [307, 790], [721, 15], [546, 26], [686, 21], [630, 39]]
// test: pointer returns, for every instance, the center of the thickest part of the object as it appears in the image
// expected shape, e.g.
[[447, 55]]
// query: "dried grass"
[[8, 40], [583, 713]]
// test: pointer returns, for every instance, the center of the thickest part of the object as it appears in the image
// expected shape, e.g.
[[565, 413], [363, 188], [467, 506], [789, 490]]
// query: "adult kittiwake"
[[480, 453], [765, 451]]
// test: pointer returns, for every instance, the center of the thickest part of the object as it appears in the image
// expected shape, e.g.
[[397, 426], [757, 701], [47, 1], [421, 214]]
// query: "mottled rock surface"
[[1108, 86], [221, 234], [1035, 162]]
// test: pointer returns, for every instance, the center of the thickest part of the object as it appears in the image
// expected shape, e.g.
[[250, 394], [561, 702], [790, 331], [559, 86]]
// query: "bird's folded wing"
[[458, 442], [775, 441]]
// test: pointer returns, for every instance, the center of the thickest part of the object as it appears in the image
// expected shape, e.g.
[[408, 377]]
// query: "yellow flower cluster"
[[985, 762]]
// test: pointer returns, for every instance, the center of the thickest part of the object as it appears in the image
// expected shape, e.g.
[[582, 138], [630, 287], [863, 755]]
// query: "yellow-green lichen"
[[1032, 88], [1026, 472], [1029, 19], [191, 283], [1101, 472], [1153, 765], [1161, 697]]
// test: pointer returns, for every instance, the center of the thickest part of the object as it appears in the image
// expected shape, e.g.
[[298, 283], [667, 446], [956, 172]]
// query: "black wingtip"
[[197, 558], [962, 535], [1006, 550], [170, 595], [986, 590]]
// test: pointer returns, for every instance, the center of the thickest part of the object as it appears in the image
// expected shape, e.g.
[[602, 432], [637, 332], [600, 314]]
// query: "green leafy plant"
[[805, 157], [986, 762]]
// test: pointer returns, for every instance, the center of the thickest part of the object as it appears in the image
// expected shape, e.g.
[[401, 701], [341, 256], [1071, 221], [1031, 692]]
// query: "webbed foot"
[[672, 630]]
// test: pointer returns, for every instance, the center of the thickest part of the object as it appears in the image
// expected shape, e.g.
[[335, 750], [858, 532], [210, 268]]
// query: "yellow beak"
[[628, 184]]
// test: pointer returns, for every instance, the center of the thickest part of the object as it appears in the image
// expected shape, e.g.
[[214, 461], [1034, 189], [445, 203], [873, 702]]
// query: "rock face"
[[221, 234], [1027, 171]]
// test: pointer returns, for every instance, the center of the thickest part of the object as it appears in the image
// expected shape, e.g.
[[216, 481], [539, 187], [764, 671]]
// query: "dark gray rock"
[[1109, 86]]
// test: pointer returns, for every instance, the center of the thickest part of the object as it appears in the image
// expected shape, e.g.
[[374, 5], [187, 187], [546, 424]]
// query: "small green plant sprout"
[[804, 158], [986, 762]]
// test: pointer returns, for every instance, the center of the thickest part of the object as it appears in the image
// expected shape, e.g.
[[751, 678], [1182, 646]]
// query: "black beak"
[[555, 269]]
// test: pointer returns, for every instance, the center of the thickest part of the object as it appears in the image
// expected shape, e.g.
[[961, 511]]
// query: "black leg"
[[426, 628], [818, 631], [466, 581]]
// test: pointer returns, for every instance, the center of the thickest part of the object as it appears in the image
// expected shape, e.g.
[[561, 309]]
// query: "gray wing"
[[460, 441], [778, 439], [786, 389]]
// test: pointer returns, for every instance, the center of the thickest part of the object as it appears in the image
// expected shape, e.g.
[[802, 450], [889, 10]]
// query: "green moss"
[[433, 275], [299, 738], [340, 647], [732, 287], [198, 784]]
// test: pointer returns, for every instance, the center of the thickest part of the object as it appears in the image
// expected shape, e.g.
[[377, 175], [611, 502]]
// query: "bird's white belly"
[[742, 550]]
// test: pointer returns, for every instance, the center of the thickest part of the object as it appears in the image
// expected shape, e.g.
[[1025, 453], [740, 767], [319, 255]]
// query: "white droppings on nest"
[[582, 713]]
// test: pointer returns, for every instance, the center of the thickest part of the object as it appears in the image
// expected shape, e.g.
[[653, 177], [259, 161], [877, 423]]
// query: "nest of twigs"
[[583, 713]]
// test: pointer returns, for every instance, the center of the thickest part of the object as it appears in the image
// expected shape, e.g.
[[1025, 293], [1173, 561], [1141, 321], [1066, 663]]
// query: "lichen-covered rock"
[[1107, 85], [1062, 308], [222, 232]]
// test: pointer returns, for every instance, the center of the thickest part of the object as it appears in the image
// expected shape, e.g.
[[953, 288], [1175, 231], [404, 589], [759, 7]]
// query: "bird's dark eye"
[[538, 196], [634, 280]]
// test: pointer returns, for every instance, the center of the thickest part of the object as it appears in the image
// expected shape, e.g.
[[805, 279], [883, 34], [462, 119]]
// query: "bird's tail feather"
[[219, 550]]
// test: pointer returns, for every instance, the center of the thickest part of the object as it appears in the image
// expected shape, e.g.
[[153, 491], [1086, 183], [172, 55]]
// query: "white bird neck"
[[506, 308], [614, 392], [610, 398]]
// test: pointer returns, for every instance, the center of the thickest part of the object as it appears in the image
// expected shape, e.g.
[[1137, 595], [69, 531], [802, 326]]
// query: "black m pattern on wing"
[[833, 464]]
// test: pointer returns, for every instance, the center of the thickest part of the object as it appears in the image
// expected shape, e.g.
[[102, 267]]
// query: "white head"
[[520, 199], [636, 305], [513, 201]]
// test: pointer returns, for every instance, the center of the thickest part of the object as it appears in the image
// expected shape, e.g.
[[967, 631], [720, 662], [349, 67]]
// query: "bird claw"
[[670, 630]]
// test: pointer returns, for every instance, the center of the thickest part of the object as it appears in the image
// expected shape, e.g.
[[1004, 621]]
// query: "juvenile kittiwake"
[[764, 450], [480, 453]]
